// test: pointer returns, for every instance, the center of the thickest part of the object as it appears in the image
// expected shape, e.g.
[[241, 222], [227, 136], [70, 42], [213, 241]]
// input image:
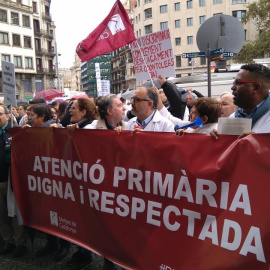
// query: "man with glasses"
[[144, 106], [251, 95]]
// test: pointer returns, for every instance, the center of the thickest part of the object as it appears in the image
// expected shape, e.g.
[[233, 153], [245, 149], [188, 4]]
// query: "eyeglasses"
[[2, 113], [135, 99], [239, 82]]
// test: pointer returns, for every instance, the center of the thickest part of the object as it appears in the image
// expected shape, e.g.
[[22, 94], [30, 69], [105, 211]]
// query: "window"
[[190, 39], [178, 41], [18, 61], [178, 61], [163, 25], [39, 64], [177, 6], [36, 26], [27, 42], [203, 60], [26, 21], [202, 3], [147, 1], [28, 62], [51, 66], [34, 6], [4, 38], [139, 17], [19, 1], [239, 14], [238, 1], [202, 19], [14, 18], [189, 21], [3, 15], [163, 9], [50, 47], [148, 13], [177, 23], [16, 40], [189, 4], [6, 57], [217, 1], [148, 29]]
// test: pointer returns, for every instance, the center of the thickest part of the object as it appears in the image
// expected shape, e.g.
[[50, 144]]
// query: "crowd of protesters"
[[156, 108]]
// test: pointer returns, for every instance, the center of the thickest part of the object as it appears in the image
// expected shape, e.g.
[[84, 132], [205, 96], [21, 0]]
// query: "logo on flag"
[[116, 24]]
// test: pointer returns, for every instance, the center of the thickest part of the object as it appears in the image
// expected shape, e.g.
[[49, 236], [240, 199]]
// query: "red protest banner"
[[163, 205]]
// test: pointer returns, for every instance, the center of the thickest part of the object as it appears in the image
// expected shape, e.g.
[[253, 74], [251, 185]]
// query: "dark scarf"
[[262, 110], [82, 123]]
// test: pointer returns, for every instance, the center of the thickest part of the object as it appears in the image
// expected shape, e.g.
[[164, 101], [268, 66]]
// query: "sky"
[[74, 21]]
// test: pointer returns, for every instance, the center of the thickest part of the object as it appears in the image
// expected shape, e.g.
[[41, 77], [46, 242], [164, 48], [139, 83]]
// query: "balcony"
[[40, 51], [130, 77], [50, 53], [41, 70], [37, 32], [51, 71], [47, 34], [47, 16], [48, 2], [18, 6], [122, 64]]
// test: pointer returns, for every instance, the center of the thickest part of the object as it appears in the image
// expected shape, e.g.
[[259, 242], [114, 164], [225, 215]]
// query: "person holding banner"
[[209, 110], [251, 94], [83, 112], [13, 234], [111, 113], [144, 105]]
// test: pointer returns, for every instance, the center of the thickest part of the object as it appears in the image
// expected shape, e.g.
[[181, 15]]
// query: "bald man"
[[227, 105]]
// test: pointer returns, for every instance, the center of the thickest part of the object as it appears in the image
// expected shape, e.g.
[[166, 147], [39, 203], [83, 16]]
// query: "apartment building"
[[27, 35], [76, 83], [88, 73], [184, 18]]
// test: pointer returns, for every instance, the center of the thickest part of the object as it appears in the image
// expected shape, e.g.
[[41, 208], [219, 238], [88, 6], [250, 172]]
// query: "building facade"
[[76, 82], [27, 39], [88, 73]]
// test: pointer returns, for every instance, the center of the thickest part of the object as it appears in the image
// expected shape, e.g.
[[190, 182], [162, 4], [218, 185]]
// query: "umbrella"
[[49, 94], [81, 96]]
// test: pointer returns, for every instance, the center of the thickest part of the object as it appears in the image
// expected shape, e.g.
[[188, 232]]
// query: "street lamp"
[[58, 84]]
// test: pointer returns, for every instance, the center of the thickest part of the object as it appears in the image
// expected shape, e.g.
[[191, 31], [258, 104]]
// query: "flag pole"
[[144, 62]]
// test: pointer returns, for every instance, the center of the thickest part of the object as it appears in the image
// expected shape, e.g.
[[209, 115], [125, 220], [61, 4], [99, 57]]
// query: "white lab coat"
[[158, 124]]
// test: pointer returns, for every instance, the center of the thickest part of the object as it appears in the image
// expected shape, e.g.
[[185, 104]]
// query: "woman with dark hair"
[[62, 109], [40, 115]]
